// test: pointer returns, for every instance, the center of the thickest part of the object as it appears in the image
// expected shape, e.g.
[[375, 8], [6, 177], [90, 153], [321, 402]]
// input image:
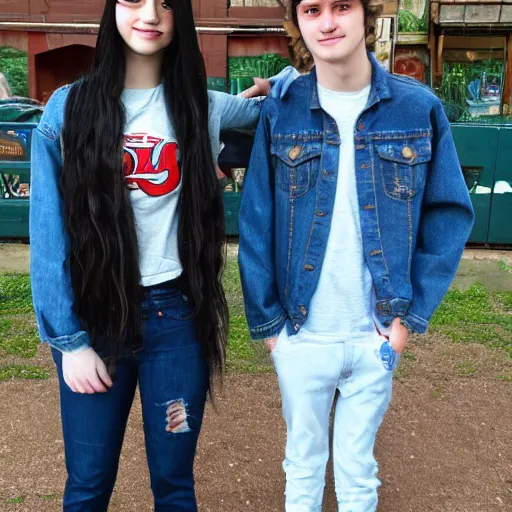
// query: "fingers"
[[103, 373], [251, 92], [264, 86], [271, 343], [261, 87], [97, 385]]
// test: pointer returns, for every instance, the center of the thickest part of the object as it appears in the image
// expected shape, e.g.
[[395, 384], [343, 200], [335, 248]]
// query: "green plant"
[[14, 65], [243, 69]]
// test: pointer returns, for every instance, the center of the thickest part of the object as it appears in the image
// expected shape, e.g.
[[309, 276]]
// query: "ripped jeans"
[[173, 379]]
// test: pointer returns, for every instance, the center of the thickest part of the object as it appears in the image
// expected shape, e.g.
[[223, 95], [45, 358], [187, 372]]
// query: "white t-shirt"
[[341, 307], [152, 172]]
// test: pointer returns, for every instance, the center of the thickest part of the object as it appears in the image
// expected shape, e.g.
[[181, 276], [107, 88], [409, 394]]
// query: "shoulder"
[[53, 116], [297, 88], [295, 91], [405, 85]]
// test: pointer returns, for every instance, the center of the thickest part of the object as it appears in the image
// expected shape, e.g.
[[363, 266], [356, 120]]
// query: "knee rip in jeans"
[[177, 417]]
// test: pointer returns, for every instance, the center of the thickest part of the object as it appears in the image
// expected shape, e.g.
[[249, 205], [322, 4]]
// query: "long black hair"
[[104, 261]]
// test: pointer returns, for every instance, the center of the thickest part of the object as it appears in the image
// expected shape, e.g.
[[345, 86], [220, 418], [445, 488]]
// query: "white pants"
[[309, 373]]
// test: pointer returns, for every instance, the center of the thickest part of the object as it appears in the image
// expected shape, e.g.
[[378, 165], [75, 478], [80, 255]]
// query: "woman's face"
[[146, 26]]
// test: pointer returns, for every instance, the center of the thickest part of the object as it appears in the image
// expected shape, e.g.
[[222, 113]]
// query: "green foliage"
[[476, 316], [14, 65], [458, 75], [19, 338], [408, 22], [22, 372], [15, 501], [242, 70], [15, 294]]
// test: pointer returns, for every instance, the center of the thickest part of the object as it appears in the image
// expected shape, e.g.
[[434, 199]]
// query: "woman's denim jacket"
[[415, 209], [52, 293]]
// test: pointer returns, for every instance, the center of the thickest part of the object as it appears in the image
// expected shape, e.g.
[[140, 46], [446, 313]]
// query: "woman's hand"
[[85, 372], [261, 87]]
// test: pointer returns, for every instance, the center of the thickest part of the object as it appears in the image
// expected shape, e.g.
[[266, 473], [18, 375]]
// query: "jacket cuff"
[[268, 330], [415, 323], [70, 344]]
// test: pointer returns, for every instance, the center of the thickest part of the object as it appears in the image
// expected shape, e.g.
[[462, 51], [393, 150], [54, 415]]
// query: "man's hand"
[[398, 336], [271, 343], [85, 372], [261, 87]]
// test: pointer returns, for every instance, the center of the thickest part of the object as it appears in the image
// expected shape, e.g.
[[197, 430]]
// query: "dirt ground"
[[445, 444]]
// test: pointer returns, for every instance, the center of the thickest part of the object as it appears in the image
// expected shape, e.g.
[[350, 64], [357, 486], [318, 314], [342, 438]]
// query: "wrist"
[[404, 324]]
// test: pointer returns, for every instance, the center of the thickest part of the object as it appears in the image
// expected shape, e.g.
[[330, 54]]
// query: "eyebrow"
[[320, 2]]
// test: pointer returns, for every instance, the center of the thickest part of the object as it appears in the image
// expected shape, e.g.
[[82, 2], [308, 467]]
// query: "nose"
[[327, 23], [149, 12]]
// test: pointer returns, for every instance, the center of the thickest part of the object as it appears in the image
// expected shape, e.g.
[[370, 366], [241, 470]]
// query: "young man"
[[354, 217]]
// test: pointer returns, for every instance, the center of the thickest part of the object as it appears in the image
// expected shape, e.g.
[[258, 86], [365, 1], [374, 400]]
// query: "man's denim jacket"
[[415, 210], [52, 293]]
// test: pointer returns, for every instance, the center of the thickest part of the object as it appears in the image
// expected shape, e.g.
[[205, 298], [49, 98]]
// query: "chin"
[[145, 51]]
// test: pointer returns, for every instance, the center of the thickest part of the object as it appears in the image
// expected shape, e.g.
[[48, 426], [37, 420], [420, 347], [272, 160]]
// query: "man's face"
[[333, 30]]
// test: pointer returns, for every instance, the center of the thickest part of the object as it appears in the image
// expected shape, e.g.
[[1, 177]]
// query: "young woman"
[[127, 236]]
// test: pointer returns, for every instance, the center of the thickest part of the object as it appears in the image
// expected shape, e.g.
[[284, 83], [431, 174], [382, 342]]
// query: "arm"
[[446, 221], [239, 112], [52, 293], [236, 112], [265, 314]]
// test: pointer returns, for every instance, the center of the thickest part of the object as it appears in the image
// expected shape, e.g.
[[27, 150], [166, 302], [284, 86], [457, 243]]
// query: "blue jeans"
[[310, 370], [173, 379]]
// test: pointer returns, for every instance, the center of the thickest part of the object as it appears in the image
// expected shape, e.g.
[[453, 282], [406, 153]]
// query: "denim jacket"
[[53, 296], [415, 210]]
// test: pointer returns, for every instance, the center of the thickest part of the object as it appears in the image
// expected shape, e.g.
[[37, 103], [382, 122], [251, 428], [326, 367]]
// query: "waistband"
[[178, 283]]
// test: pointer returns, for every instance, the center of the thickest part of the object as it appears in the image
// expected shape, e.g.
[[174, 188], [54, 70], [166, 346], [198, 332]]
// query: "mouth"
[[148, 33], [328, 41]]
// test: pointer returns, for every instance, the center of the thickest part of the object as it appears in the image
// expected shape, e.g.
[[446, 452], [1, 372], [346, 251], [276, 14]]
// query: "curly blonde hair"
[[302, 58]]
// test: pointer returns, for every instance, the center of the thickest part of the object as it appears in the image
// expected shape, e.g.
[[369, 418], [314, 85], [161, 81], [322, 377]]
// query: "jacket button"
[[304, 311], [360, 126], [407, 152], [309, 267], [364, 166], [294, 152]]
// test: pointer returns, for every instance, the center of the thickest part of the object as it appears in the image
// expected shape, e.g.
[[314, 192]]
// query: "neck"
[[143, 71], [349, 75]]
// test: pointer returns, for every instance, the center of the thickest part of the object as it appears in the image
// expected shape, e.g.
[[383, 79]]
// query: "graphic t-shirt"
[[153, 176]]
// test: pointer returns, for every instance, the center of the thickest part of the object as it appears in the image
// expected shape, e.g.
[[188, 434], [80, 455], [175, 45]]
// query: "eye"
[[166, 5], [344, 7], [311, 10], [128, 2]]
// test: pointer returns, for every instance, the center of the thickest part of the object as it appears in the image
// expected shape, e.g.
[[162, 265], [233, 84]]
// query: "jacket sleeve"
[[235, 112], [240, 113], [52, 293], [446, 221], [264, 311]]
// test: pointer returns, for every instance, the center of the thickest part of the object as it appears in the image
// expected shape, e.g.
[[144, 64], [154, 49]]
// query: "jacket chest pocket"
[[296, 166], [403, 167]]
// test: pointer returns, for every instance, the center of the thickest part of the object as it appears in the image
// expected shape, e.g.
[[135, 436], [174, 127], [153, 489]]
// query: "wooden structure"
[[59, 36], [471, 24]]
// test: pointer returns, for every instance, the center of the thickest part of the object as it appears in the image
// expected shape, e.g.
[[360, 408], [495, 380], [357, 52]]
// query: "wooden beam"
[[433, 54], [439, 57], [507, 90]]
